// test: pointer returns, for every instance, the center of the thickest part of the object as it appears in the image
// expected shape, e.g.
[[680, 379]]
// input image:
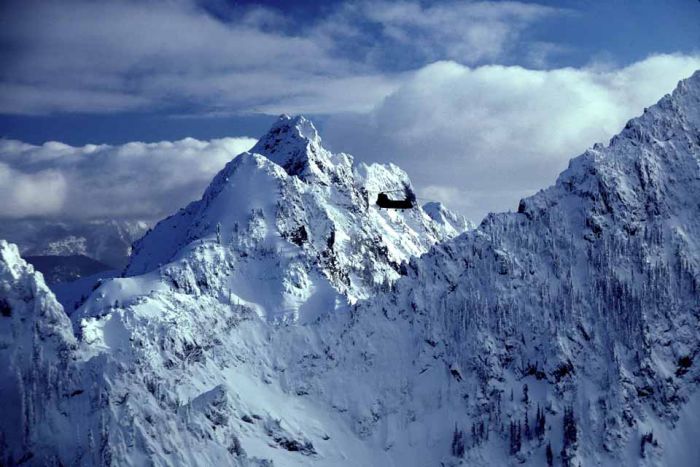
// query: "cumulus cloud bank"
[[476, 138], [28, 195], [480, 138], [85, 56], [475, 135], [131, 181]]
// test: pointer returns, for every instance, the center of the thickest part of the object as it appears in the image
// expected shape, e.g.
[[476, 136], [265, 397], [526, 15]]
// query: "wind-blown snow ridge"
[[572, 324]]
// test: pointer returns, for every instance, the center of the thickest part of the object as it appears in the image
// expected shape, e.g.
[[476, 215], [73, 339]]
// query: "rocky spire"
[[294, 144]]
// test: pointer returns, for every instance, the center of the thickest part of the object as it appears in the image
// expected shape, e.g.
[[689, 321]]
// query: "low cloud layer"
[[477, 139], [131, 181], [481, 138], [31, 194]]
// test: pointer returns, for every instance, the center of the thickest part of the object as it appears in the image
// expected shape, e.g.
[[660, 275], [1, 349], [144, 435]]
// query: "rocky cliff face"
[[283, 320]]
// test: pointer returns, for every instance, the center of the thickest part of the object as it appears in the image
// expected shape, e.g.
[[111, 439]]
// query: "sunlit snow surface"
[[276, 320]]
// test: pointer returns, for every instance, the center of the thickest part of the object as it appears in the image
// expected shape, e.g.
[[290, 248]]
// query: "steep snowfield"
[[589, 294], [292, 228], [36, 343], [232, 339]]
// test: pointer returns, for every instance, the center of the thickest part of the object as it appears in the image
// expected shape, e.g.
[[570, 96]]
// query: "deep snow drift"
[[276, 320]]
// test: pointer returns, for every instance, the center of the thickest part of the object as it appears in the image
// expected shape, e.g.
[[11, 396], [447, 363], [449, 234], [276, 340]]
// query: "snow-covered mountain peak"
[[24, 295], [36, 339], [589, 292], [645, 172], [676, 113], [295, 216], [294, 144], [687, 98], [453, 223], [30, 309]]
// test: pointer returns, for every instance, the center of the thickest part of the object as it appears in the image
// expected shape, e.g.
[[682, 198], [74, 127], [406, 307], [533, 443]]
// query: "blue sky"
[[368, 73]]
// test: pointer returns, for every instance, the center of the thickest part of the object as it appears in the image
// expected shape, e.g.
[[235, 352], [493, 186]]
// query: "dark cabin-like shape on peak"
[[409, 201]]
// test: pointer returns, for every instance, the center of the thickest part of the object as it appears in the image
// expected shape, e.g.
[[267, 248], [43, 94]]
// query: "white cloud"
[[134, 180], [84, 56], [114, 56], [463, 31], [475, 137], [28, 195], [481, 138]]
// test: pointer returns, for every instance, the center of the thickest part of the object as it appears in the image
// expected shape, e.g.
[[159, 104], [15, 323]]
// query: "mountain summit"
[[294, 144], [290, 223]]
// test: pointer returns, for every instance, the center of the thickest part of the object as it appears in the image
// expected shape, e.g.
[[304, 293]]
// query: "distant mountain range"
[[58, 269], [106, 241]]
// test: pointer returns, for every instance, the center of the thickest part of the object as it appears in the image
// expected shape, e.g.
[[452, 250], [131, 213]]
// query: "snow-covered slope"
[[572, 323], [589, 295], [36, 344], [292, 228]]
